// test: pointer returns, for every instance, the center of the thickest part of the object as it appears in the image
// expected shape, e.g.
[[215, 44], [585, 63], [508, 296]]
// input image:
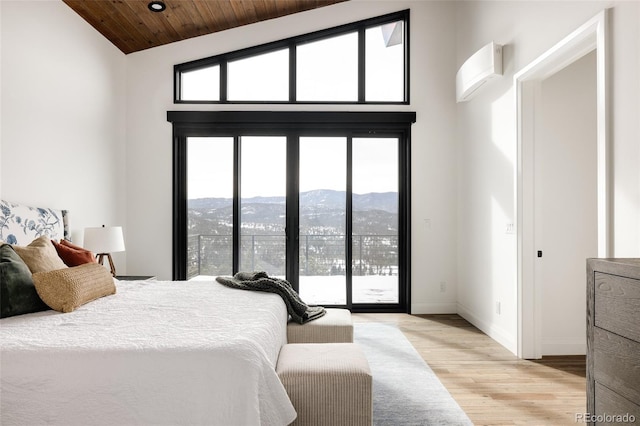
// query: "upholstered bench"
[[333, 327], [328, 383]]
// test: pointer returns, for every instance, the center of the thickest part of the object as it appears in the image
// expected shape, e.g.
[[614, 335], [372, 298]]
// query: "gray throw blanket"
[[259, 281]]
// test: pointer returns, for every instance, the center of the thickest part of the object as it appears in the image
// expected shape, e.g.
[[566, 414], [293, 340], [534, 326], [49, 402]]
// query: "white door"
[[566, 225]]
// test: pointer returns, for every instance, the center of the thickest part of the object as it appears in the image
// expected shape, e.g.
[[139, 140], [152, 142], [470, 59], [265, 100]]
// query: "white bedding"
[[154, 353]]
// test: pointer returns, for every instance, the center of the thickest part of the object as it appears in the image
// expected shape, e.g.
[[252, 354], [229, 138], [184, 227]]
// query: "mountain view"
[[322, 230]]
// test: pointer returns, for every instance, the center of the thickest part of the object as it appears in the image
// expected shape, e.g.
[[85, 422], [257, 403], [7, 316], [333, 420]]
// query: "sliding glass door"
[[323, 220], [209, 206], [375, 205], [347, 197], [262, 212], [325, 209]]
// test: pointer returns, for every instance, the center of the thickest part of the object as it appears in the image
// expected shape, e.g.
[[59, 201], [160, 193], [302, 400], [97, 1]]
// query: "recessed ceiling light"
[[156, 6]]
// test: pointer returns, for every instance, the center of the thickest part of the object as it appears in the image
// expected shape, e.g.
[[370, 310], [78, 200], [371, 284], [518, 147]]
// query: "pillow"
[[70, 244], [17, 293], [73, 255], [66, 289], [40, 255]]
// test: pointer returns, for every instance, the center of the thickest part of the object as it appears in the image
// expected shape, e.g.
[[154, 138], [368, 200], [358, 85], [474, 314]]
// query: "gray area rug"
[[405, 389]]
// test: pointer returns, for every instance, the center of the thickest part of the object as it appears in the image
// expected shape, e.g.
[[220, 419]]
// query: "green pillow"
[[17, 293]]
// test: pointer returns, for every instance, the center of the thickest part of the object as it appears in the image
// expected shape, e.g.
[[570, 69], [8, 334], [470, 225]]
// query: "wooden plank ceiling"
[[131, 26]]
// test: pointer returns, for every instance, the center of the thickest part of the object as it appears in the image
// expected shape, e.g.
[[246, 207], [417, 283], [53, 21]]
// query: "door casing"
[[592, 35]]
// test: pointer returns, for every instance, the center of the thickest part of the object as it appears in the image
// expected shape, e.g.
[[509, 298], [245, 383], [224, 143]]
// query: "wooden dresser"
[[613, 341]]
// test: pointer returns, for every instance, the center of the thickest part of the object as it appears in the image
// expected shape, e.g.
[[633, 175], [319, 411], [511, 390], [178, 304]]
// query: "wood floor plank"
[[491, 384]]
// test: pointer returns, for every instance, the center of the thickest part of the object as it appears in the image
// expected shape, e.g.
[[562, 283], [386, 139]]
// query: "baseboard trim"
[[498, 334], [564, 347], [433, 308]]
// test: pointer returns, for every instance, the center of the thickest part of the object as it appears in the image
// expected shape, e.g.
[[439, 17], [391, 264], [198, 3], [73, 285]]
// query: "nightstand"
[[135, 277]]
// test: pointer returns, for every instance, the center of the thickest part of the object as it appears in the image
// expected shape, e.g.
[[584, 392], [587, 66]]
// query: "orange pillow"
[[73, 255], [70, 244]]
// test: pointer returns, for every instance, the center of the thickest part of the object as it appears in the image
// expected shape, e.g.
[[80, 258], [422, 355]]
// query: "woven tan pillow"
[[66, 289], [40, 255]]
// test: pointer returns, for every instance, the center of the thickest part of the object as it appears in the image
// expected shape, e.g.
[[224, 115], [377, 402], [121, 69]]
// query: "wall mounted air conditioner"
[[485, 64]]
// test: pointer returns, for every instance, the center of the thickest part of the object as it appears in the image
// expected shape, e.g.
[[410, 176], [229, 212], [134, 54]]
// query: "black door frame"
[[295, 124]]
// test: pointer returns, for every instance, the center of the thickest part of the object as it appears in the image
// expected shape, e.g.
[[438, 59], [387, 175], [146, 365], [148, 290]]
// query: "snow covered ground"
[[331, 290]]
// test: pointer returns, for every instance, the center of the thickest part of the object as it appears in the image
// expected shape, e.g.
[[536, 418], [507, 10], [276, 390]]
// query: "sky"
[[322, 165]]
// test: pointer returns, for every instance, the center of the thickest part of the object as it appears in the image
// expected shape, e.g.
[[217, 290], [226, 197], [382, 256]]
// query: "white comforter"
[[156, 352]]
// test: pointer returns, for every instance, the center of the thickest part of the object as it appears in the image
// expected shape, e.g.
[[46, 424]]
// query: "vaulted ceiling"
[[131, 26]]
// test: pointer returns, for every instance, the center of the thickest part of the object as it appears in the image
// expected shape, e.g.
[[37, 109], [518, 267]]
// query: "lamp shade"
[[104, 239]]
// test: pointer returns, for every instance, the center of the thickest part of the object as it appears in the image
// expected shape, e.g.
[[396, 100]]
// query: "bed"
[[156, 352]]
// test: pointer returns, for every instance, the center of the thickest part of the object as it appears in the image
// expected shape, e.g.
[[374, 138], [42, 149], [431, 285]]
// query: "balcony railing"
[[320, 255]]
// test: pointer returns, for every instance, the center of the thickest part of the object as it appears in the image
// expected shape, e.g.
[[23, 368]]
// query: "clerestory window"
[[363, 62]]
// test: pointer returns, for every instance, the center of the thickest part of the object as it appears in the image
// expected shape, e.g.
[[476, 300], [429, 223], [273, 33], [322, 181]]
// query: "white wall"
[[63, 115], [149, 96], [487, 145]]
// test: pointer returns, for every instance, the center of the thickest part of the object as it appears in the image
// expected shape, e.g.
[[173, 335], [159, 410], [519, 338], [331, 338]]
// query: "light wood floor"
[[491, 384]]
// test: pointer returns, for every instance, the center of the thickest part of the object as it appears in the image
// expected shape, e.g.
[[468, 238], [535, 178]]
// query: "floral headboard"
[[20, 224]]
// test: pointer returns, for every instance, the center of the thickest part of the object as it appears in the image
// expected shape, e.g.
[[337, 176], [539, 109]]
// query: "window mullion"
[[349, 224], [361, 65], [292, 207], [236, 231], [292, 73], [177, 84], [180, 206], [224, 82]]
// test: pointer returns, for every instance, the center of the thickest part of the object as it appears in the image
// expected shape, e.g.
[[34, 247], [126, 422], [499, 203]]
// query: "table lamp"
[[103, 241]]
